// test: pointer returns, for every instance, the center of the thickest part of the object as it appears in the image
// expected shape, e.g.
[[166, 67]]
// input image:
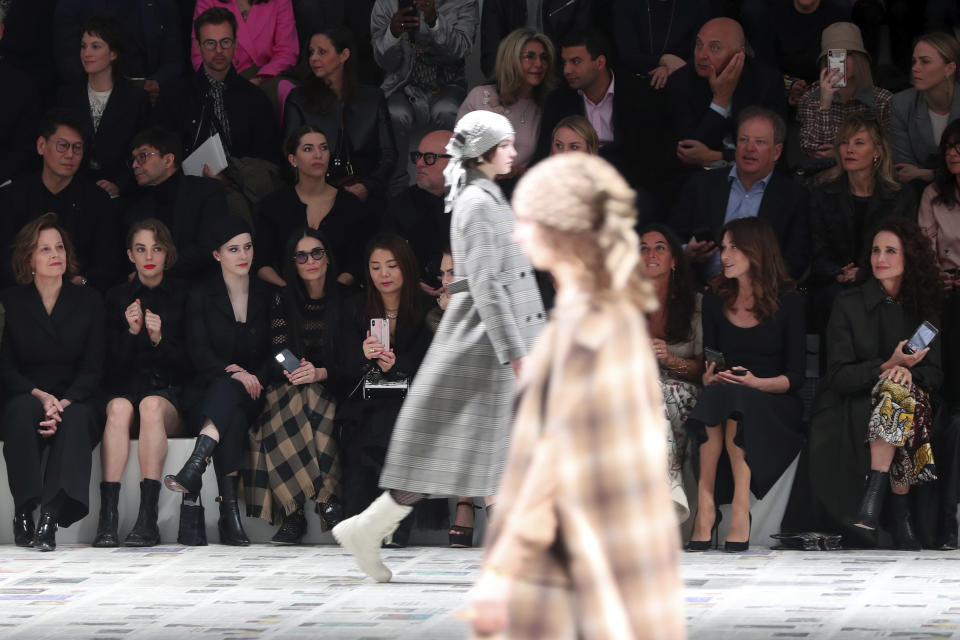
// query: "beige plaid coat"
[[584, 507]]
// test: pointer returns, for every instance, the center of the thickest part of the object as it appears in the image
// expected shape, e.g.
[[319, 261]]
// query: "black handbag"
[[193, 529], [340, 171]]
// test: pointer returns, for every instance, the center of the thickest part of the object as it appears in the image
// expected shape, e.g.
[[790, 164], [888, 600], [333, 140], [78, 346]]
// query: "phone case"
[[837, 60], [380, 328], [288, 361]]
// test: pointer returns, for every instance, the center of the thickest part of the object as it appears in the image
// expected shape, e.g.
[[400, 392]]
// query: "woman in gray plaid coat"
[[452, 435]]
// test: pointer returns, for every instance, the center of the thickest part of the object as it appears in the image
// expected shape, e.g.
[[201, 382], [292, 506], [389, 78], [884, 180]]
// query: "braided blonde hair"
[[586, 211]]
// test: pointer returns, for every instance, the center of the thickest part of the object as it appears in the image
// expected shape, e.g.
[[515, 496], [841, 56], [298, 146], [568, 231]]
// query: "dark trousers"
[[232, 411], [67, 472]]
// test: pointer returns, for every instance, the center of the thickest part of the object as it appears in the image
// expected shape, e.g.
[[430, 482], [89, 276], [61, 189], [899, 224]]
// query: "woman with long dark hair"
[[353, 116], [873, 419], [676, 331], [294, 456], [749, 408]]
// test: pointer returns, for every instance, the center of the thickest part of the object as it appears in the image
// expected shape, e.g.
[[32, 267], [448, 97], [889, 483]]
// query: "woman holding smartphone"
[[385, 335], [228, 339], [873, 392], [749, 407], [294, 455]]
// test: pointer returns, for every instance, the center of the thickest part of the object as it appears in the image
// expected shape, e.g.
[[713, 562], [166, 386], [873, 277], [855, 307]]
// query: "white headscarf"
[[476, 133]]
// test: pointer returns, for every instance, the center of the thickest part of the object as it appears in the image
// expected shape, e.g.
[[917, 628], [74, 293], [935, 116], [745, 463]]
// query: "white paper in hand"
[[209, 153]]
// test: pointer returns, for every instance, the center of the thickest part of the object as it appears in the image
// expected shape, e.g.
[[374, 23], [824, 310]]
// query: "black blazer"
[[373, 151], [186, 107], [191, 207], [690, 97], [215, 339], [418, 216], [126, 114], [60, 353], [641, 128], [703, 204]]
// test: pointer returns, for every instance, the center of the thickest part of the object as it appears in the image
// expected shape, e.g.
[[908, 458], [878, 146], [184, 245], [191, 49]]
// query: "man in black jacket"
[[706, 97], [750, 188], [190, 206]]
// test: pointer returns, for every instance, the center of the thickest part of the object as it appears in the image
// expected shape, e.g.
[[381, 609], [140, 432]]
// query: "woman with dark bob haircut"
[[294, 455], [749, 408], [873, 418], [51, 360]]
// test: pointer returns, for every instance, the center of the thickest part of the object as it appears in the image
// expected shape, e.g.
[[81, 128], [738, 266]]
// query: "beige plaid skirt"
[[293, 455]]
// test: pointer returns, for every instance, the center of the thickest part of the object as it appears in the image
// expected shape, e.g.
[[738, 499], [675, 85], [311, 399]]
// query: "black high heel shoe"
[[462, 537], [739, 547], [713, 542]]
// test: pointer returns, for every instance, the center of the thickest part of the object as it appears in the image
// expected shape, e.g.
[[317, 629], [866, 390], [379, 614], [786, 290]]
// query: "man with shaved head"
[[417, 212], [707, 96]]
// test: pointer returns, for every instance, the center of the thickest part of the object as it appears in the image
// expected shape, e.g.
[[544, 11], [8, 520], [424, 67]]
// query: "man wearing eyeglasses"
[[84, 209], [190, 206], [416, 213]]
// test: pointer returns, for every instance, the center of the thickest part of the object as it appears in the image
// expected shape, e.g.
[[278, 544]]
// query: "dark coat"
[[862, 333], [134, 365], [418, 216], [674, 30], [126, 114], [190, 206], [372, 149], [18, 121], [215, 339], [187, 109], [641, 136], [703, 204], [60, 353], [690, 97], [832, 225], [500, 17]]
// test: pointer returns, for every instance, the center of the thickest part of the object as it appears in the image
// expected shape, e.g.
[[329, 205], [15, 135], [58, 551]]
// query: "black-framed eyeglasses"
[[429, 158], [316, 253], [947, 146], [141, 158], [62, 146], [211, 44]]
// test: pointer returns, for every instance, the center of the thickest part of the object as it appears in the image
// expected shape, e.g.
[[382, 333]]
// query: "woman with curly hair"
[[676, 330], [873, 418], [749, 408]]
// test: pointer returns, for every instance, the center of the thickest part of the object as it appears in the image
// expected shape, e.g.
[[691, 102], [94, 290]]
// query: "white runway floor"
[[219, 592]]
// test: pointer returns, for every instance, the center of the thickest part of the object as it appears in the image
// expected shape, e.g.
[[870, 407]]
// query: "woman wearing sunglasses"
[[294, 456], [311, 202]]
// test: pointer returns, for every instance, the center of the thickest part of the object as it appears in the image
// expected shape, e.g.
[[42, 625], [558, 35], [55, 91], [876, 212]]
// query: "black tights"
[[406, 498]]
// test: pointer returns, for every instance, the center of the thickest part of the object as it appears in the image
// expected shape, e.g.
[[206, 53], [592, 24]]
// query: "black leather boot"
[[947, 528], [292, 530], [107, 535], [904, 537], [332, 511], [878, 485], [23, 529], [46, 536], [190, 477], [145, 532], [230, 525]]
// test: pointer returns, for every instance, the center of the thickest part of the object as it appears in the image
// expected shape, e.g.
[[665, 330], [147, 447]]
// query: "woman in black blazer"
[[145, 372], [228, 340], [51, 360], [116, 109]]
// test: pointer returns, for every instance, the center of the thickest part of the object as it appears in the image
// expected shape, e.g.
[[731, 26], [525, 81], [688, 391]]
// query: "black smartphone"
[[738, 372], [921, 338], [704, 234], [287, 360], [712, 355]]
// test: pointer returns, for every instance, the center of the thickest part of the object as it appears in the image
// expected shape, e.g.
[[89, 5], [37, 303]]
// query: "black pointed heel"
[[739, 547], [713, 542]]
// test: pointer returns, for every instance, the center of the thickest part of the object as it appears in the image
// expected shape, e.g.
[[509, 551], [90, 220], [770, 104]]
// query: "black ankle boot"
[[904, 537], [24, 531], [331, 511], [878, 485], [230, 525], [947, 528], [46, 536], [292, 530], [190, 477], [145, 532], [107, 527]]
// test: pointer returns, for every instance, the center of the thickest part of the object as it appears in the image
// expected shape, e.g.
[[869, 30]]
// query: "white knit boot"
[[362, 534]]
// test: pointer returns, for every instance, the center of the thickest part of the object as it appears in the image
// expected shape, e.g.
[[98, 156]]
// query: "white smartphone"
[[380, 329], [837, 61]]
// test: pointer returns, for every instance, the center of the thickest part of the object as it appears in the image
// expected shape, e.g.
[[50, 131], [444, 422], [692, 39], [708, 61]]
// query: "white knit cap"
[[476, 133]]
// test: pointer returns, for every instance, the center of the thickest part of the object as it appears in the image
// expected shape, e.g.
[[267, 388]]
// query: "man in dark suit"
[[628, 116], [190, 206], [751, 187], [83, 209], [706, 97]]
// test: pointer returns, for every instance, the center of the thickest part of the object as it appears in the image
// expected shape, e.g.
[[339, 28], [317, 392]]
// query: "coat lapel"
[[34, 304]]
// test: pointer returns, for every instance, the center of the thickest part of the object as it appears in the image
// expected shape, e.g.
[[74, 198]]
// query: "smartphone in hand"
[[287, 360], [380, 329], [921, 338]]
